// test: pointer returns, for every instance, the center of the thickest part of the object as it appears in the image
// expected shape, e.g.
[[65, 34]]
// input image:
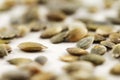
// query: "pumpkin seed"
[[37, 26], [99, 38], [4, 50], [51, 31], [68, 58], [92, 9], [41, 60], [116, 69], [108, 44], [31, 46], [76, 51], [99, 49], [58, 37], [7, 34], [78, 66], [22, 31], [68, 11], [115, 37], [105, 31], [76, 32], [85, 42], [116, 51], [15, 75], [108, 3], [81, 75], [19, 61], [4, 41], [30, 15], [56, 16], [94, 58]]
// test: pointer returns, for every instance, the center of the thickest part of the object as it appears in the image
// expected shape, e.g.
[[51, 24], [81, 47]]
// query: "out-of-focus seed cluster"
[[98, 37]]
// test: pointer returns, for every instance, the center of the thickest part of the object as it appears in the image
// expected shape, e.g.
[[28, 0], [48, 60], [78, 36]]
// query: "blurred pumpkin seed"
[[115, 69], [85, 42], [4, 41], [105, 31], [76, 51], [3, 50], [19, 61], [108, 44], [37, 26], [99, 49], [76, 32], [94, 58], [15, 75], [41, 60], [99, 38], [51, 31], [56, 16], [116, 51], [115, 37], [31, 46], [92, 9], [68, 58]]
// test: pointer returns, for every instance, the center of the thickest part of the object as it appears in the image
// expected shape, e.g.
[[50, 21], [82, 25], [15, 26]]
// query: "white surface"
[[54, 50]]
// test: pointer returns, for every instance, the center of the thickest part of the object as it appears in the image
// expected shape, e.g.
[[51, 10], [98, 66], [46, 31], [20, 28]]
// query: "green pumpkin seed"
[[115, 69], [59, 37], [94, 58], [99, 49], [76, 51], [68, 58], [19, 61], [108, 44], [116, 51], [99, 38], [85, 42], [41, 60], [31, 46]]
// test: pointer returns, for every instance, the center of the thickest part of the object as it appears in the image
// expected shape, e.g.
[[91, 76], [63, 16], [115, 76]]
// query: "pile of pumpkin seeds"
[[93, 40]]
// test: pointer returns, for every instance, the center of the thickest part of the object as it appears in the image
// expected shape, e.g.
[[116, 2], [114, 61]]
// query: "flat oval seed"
[[15, 75], [76, 51], [76, 32], [99, 49], [105, 31], [68, 58], [56, 16], [115, 70], [59, 37], [51, 31], [31, 46], [116, 51], [41, 60], [108, 44], [19, 61], [4, 41], [4, 49], [85, 42], [94, 58], [115, 37]]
